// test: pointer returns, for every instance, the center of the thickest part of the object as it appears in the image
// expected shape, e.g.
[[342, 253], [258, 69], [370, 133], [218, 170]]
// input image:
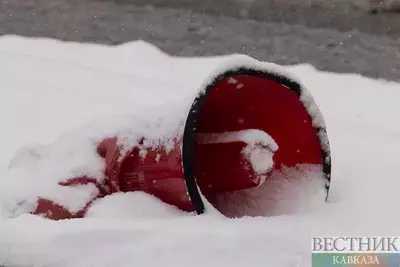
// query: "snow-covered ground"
[[49, 88]]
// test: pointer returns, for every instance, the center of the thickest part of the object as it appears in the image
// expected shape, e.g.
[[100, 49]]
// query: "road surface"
[[373, 52]]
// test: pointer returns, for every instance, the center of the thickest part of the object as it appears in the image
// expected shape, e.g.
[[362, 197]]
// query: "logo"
[[346, 251]]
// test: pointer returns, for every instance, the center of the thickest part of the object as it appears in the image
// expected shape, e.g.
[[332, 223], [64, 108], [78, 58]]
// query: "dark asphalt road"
[[342, 15], [370, 50]]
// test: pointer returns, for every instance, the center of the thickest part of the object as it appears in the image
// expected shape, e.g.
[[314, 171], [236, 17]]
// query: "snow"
[[55, 97], [260, 158], [259, 149], [133, 205], [251, 137], [289, 191]]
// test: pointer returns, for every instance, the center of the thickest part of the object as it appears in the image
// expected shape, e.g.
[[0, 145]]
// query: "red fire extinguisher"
[[239, 101]]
